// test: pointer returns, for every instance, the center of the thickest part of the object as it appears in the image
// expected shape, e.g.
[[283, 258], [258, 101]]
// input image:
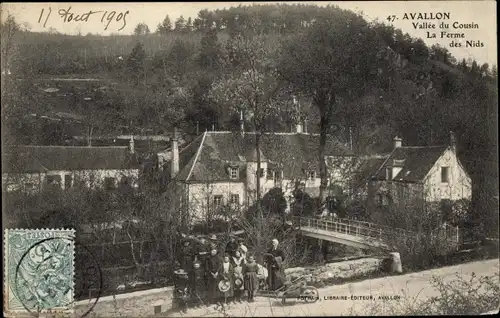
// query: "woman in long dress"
[[274, 264], [213, 276], [251, 280]]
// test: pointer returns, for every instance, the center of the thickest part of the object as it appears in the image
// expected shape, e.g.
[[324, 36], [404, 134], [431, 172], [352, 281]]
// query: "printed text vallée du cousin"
[[439, 25]]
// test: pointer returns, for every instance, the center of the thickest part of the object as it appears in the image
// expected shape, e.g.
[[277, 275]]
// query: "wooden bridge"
[[366, 235]]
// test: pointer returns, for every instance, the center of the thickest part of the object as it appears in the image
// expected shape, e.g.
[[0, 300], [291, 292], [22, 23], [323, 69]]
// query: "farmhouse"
[[220, 168], [429, 173], [33, 168]]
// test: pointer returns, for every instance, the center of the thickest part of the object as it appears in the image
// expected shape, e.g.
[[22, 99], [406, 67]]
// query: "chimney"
[[132, 145], [453, 142], [397, 142], [174, 166], [242, 123]]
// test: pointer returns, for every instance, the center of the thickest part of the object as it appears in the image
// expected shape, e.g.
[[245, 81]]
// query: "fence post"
[[380, 234], [458, 240], [326, 225], [309, 222]]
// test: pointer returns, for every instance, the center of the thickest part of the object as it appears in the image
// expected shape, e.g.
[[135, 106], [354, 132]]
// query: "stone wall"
[[136, 304], [336, 271]]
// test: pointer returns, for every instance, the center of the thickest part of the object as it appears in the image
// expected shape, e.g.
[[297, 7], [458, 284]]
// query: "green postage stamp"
[[39, 270]]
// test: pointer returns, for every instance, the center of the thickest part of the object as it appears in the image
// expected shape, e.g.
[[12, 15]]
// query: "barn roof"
[[35, 159], [208, 157], [416, 162]]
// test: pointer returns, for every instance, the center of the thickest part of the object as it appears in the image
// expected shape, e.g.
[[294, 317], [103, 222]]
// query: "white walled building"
[[220, 168], [429, 173], [33, 168]]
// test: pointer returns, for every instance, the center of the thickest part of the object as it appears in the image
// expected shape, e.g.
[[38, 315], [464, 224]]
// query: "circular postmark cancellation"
[[40, 272], [88, 280]]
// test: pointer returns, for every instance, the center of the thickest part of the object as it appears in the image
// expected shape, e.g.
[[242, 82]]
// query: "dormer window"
[[270, 174], [398, 163], [233, 173], [311, 174]]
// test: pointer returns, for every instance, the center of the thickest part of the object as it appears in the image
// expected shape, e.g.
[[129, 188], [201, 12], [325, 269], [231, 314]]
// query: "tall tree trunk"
[[257, 147], [323, 173]]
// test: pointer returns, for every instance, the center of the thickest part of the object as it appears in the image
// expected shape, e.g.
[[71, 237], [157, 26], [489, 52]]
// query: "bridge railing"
[[369, 230], [346, 226]]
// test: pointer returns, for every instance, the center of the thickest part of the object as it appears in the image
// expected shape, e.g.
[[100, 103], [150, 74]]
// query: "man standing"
[[202, 252], [231, 247], [274, 263], [187, 256]]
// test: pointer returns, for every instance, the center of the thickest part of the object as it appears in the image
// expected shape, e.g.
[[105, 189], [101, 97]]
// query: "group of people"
[[207, 277]]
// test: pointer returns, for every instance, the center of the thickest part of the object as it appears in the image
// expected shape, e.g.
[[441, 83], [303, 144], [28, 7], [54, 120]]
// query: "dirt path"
[[337, 300]]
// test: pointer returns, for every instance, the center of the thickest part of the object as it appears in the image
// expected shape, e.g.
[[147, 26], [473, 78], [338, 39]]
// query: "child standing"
[[197, 284], [251, 281]]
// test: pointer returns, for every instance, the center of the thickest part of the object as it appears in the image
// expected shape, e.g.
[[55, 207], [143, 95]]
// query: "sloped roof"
[[216, 151], [417, 162], [25, 159], [367, 167]]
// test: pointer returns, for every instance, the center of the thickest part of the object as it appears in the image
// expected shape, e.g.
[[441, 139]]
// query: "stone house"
[[425, 173], [33, 168], [220, 167]]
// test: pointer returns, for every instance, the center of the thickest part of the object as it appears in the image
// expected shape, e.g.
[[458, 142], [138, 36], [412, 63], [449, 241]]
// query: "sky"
[[479, 12]]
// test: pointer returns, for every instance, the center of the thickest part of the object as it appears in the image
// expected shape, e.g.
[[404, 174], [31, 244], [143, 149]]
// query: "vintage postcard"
[[39, 271], [286, 158]]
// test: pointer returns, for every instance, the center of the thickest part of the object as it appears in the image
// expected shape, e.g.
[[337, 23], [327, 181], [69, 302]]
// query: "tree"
[[180, 24], [8, 29], [141, 29], [179, 57], [136, 62], [330, 62], [189, 25], [211, 54], [250, 89], [165, 27]]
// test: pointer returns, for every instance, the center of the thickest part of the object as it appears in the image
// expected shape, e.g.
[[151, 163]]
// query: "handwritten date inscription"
[[107, 17]]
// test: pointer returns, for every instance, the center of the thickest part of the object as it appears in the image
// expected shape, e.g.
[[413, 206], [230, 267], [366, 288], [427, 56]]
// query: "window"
[[445, 174], [388, 173], [235, 199], [379, 199], [311, 175], [233, 173], [270, 174], [125, 181], [68, 181], [261, 172], [109, 183], [217, 201], [54, 180], [278, 176]]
